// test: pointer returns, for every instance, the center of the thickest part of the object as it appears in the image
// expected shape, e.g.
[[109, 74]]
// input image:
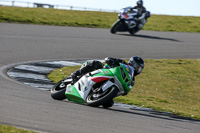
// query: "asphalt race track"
[[28, 107]]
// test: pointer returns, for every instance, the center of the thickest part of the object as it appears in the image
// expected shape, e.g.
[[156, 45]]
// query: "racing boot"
[[86, 68], [141, 24]]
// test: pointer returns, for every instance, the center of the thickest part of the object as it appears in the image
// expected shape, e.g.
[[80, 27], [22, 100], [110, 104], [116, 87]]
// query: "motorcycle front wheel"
[[104, 98], [58, 90], [115, 27]]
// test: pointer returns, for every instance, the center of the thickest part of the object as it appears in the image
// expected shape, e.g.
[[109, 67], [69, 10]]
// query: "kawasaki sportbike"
[[96, 88], [128, 21]]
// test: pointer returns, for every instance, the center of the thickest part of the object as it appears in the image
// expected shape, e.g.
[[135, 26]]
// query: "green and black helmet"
[[137, 63]]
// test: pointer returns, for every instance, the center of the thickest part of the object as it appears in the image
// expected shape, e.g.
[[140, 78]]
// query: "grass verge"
[[171, 85], [45, 16], [11, 129]]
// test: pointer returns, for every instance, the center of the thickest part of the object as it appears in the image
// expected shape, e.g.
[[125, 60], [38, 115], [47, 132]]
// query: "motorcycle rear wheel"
[[58, 91], [107, 97], [133, 32]]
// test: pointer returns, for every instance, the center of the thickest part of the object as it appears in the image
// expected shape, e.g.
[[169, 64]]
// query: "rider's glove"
[[106, 66], [110, 61], [132, 83], [124, 94]]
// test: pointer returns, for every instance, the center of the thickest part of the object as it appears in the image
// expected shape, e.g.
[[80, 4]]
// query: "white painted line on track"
[[27, 75], [64, 63], [34, 68]]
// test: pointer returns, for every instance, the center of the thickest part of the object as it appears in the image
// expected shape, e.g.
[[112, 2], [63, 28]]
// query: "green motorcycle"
[[96, 88]]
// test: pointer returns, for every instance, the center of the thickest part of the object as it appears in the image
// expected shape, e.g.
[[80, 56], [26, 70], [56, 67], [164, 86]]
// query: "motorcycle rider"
[[142, 14], [136, 62]]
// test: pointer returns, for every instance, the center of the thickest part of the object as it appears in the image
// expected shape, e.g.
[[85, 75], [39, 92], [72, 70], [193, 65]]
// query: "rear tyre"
[[133, 31], [108, 104], [58, 90], [103, 99]]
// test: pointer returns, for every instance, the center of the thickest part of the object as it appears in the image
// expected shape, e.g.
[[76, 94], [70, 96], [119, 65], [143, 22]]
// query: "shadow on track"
[[150, 37], [158, 115], [146, 113]]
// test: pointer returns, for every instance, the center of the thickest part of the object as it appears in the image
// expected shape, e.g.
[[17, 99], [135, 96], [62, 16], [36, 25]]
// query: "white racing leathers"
[[141, 20]]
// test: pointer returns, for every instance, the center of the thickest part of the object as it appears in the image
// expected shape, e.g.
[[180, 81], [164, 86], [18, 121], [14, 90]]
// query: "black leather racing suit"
[[92, 65]]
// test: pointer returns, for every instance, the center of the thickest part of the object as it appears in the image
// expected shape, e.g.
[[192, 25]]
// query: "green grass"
[[56, 17], [11, 129], [45, 16], [171, 85]]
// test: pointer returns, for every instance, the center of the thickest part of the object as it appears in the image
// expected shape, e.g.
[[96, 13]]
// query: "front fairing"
[[127, 16], [123, 74], [128, 13]]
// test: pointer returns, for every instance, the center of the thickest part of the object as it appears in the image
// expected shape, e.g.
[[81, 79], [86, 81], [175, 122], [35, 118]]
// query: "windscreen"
[[129, 69]]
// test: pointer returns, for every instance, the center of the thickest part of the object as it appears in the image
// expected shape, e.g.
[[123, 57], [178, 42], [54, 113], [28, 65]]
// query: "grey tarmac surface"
[[32, 108]]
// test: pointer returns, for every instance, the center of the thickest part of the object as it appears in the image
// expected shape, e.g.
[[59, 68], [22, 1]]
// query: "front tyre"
[[107, 96], [58, 90], [116, 27]]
